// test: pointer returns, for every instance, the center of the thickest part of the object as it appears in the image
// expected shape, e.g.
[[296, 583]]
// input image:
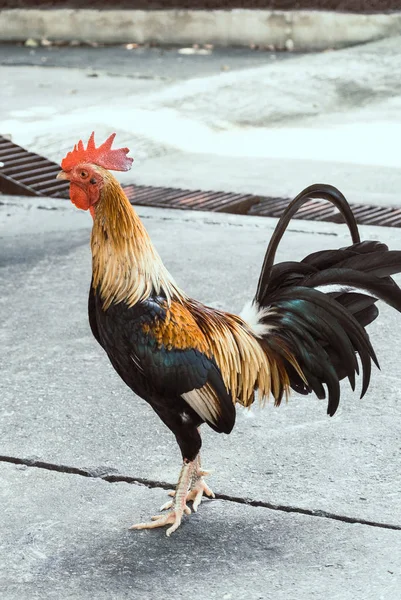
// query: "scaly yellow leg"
[[178, 505], [197, 487]]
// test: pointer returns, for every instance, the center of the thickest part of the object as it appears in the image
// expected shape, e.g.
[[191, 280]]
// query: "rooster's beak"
[[63, 175]]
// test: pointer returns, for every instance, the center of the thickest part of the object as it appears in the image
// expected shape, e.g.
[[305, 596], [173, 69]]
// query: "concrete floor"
[[156, 62], [328, 522]]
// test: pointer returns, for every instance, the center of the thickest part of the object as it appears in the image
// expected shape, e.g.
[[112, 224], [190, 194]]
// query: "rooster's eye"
[[84, 174]]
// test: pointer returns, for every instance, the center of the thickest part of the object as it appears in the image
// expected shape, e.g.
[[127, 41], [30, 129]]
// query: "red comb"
[[103, 156]]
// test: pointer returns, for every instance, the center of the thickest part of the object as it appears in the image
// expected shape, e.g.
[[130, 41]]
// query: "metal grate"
[[247, 204], [190, 199], [319, 210], [27, 173]]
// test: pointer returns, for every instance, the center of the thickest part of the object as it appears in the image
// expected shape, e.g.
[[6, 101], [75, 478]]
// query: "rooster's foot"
[[178, 505], [195, 492], [173, 517]]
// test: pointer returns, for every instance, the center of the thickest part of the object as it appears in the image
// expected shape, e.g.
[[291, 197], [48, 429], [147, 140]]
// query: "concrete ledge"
[[299, 30]]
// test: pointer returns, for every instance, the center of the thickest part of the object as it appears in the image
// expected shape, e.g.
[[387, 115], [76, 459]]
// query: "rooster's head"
[[87, 170]]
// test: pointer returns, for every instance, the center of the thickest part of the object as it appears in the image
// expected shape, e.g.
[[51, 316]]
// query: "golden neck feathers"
[[126, 266]]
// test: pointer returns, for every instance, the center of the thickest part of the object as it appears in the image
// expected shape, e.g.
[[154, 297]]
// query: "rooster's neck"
[[126, 266]]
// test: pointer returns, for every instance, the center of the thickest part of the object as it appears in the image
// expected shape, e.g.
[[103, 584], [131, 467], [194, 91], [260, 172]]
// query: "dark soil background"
[[357, 6]]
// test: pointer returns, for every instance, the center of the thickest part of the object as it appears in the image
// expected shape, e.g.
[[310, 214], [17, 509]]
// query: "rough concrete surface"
[[165, 63], [67, 537], [289, 29], [269, 129]]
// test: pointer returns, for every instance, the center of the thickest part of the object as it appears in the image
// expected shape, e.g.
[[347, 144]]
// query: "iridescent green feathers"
[[318, 308]]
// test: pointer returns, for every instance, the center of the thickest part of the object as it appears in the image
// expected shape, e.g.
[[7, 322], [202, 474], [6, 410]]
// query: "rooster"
[[303, 330]]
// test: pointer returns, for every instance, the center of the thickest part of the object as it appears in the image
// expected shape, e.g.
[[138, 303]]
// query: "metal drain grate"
[[27, 173], [319, 210], [190, 199], [247, 204]]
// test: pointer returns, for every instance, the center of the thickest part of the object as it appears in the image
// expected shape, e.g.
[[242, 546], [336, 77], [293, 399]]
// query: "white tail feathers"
[[331, 288], [253, 314]]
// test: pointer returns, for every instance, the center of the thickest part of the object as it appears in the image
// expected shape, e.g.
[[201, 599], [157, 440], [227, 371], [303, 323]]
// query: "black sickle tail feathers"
[[318, 190], [318, 307]]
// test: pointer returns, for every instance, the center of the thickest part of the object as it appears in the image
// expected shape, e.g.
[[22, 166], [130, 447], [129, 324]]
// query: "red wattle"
[[79, 197]]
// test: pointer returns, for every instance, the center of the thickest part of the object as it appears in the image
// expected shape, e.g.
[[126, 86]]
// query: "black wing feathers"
[[160, 375]]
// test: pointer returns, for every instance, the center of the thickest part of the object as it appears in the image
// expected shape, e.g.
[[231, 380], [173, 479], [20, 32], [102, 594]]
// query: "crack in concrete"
[[113, 478]]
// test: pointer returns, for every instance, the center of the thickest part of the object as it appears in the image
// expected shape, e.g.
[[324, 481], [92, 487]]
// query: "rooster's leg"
[[178, 505], [197, 487]]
